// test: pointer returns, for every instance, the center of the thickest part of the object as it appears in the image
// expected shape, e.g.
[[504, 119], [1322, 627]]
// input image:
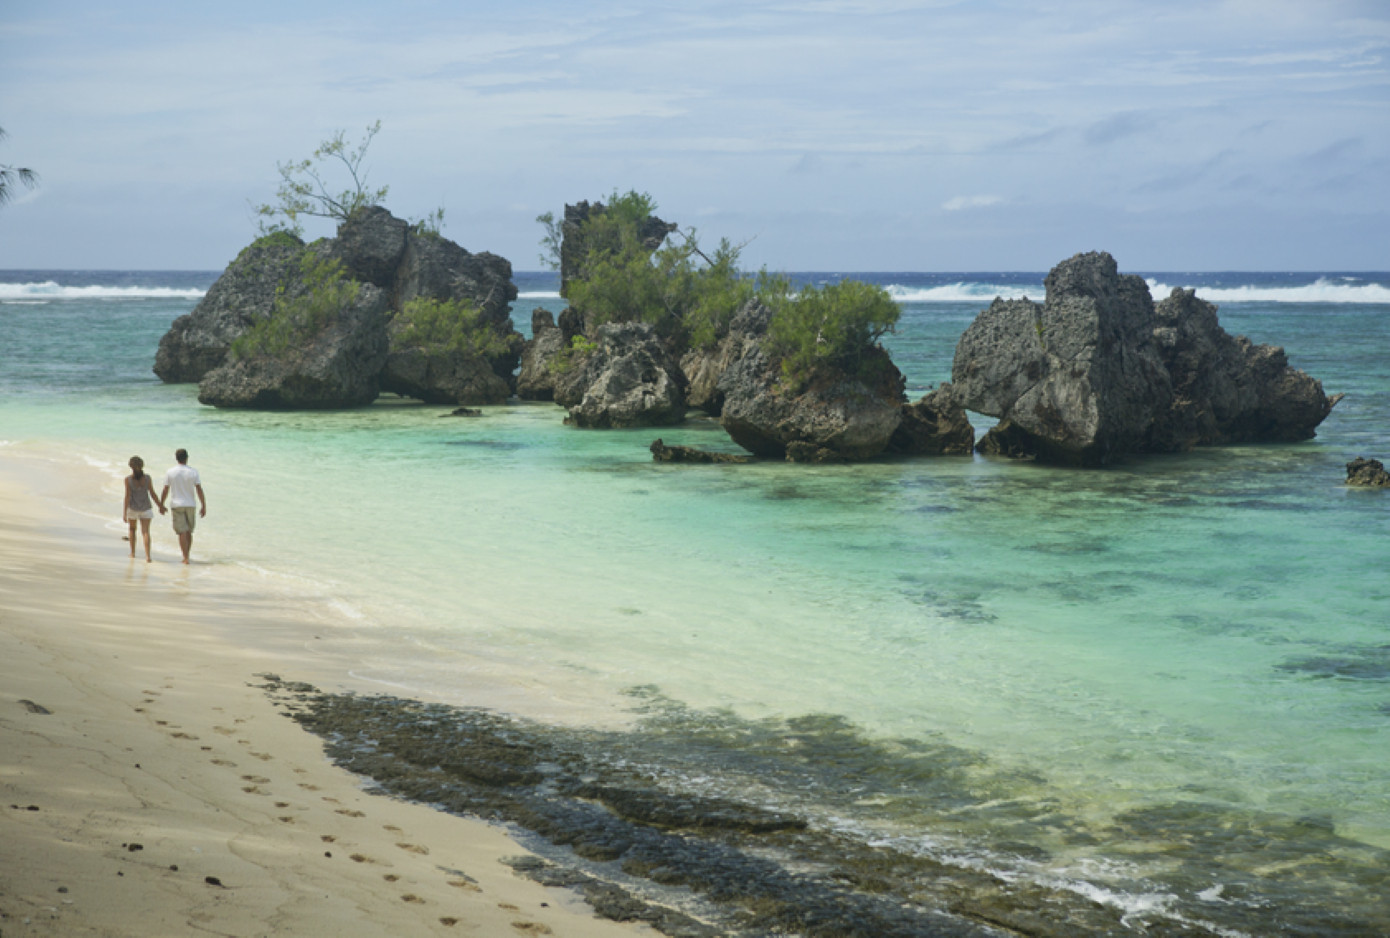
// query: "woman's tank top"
[[139, 493]]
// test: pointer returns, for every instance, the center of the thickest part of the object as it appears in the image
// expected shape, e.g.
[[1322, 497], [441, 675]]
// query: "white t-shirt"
[[182, 482]]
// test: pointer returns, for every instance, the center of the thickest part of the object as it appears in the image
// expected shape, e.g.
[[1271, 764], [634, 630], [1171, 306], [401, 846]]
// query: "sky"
[[833, 135]]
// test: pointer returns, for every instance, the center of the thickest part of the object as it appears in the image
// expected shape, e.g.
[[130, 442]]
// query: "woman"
[[139, 491]]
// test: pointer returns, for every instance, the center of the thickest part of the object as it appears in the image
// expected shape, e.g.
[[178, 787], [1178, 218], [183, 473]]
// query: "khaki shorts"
[[184, 519]]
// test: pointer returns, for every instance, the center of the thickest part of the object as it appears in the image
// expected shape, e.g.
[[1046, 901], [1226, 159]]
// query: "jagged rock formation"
[[400, 264], [337, 367], [935, 426], [199, 341], [836, 416], [1096, 372], [1367, 472], [536, 382], [628, 380], [1226, 389]]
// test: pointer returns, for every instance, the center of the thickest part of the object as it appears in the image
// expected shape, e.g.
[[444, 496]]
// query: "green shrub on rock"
[[448, 326], [835, 325], [300, 314]]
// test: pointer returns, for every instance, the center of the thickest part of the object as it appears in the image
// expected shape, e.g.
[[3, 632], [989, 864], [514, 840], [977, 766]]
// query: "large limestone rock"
[[628, 380], [199, 342], [1226, 389], [1077, 379], [536, 381], [936, 425], [336, 367], [836, 416], [379, 250]]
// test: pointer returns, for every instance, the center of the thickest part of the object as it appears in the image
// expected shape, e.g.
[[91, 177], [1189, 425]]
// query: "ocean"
[[1160, 688]]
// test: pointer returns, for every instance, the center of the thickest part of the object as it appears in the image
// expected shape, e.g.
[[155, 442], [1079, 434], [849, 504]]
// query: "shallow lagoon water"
[[1142, 652]]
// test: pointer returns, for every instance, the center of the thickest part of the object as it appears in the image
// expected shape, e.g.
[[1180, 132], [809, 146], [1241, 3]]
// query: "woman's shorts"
[[147, 514], [184, 519]]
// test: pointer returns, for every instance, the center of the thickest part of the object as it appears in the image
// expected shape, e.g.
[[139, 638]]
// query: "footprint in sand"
[[411, 897], [508, 907], [224, 762], [391, 877], [448, 921], [328, 838], [282, 804], [307, 787], [360, 858], [254, 790], [391, 827], [263, 756], [225, 731], [532, 928], [288, 819], [413, 848], [257, 779], [182, 736], [466, 885], [347, 812]]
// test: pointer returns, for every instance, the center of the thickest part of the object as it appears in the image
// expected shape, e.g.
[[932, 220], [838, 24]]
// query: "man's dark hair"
[[181, 455]]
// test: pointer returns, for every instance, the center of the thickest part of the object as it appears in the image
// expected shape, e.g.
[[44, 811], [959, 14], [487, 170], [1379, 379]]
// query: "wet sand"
[[148, 785]]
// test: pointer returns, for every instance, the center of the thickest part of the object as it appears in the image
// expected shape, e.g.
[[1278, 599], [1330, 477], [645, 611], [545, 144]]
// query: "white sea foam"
[[963, 292], [49, 290], [539, 295], [1322, 290]]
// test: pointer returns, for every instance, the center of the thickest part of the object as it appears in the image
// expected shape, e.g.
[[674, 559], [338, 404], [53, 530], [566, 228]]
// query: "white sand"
[[162, 794]]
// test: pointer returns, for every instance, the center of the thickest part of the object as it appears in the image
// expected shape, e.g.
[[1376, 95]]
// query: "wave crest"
[[50, 290]]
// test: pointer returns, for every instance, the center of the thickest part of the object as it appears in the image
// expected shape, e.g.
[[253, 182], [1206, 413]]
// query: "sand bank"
[[148, 787]]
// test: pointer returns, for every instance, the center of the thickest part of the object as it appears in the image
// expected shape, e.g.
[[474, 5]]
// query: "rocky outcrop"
[[444, 376], [663, 453], [198, 342], [1097, 371], [627, 380], [835, 416], [1078, 377], [1367, 472], [380, 251], [536, 381], [1226, 389], [935, 426], [336, 367]]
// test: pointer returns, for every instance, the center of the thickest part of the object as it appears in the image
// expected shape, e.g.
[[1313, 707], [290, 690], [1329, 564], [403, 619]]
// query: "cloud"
[[962, 202], [1115, 127]]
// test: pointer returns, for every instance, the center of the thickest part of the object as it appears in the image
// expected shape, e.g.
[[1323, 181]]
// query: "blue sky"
[[828, 134]]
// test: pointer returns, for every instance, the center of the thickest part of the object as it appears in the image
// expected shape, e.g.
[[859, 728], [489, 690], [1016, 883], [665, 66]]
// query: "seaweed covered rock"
[[934, 426], [626, 379], [1367, 472], [663, 453], [199, 341], [835, 415], [1226, 389], [322, 347], [1077, 379]]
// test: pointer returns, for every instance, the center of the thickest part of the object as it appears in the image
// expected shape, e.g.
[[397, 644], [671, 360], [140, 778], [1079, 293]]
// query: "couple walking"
[[183, 490]]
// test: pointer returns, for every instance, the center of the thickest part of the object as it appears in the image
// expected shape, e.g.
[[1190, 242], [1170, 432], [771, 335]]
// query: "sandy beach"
[[148, 786]]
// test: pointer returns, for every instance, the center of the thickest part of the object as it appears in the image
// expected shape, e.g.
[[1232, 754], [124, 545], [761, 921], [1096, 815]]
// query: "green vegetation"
[[564, 360], [691, 297], [303, 190], [10, 176], [449, 326], [834, 325], [677, 288], [299, 315]]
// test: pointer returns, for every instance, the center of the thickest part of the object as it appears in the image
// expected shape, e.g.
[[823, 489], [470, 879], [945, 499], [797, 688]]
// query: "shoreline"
[[149, 786]]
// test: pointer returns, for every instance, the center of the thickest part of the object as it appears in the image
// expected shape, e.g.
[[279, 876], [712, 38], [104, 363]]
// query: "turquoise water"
[[1208, 630]]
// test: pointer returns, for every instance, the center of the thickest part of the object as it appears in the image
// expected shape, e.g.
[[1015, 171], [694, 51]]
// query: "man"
[[185, 484]]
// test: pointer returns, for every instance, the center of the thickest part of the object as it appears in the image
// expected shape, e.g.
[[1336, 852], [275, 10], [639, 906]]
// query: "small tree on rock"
[[303, 190]]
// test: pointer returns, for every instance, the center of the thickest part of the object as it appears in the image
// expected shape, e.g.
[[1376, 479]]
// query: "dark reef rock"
[[1097, 371], [377, 250], [442, 377], [628, 380], [198, 342], [663, 453], [843, 415], [934, 426], [536, 382], [1080, 375], [1226, 389], [1367, 472], [370, 245], [337, 367]]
